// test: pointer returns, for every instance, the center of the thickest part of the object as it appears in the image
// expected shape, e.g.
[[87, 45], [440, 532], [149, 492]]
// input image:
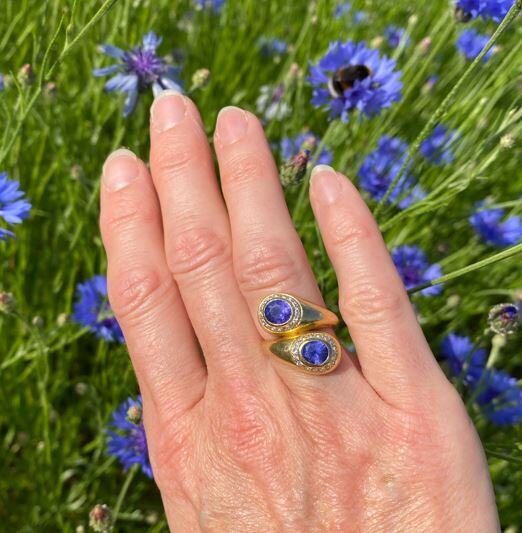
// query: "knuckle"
[[133, 291], [243, 168], [169, 451], [173, 157], [197, 248], [126, 211], [367, 302], [266, 264], [347, 234], [247, 430]]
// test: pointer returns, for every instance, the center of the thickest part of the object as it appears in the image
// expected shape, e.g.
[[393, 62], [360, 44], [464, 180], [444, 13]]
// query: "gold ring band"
[[291, 319]]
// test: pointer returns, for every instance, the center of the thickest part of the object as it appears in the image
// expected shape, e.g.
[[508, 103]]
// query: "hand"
[[238, 440]]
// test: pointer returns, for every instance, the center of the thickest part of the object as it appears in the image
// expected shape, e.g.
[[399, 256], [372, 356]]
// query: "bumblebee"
[[462, 16], [344, 78]]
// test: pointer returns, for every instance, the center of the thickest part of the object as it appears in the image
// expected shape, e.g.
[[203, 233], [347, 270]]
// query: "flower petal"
[[112, 51]]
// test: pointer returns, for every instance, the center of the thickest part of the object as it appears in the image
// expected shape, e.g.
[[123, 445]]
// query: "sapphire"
[[315, 352], [278, 312]]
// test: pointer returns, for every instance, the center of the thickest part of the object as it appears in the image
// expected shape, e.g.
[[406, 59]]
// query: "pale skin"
[[240, 441]]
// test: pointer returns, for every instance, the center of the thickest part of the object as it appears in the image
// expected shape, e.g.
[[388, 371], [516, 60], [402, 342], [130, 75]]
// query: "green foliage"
[[58, 384]]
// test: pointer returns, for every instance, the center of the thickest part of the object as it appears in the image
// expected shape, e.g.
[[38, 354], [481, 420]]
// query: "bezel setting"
[[299, 343], [291, 324]]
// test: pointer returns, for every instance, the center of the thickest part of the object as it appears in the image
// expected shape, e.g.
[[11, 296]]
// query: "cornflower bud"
[[504, 319], [100, 518], [294, 170], [134, 414], [200, 79], [26, 75], [7, 302]]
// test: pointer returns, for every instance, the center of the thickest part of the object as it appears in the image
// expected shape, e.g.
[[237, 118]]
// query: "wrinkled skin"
[[240, 441]]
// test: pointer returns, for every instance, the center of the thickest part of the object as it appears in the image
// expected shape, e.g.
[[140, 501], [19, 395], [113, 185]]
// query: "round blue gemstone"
[[278, 312], [315, 352]]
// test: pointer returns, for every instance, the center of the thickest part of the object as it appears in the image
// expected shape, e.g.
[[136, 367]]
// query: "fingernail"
[[232, 125], [168, 110], [120, 169], [326, 184]]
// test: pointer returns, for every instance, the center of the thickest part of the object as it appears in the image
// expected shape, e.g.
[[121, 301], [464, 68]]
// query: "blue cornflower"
[[139, 68], [270, 46], [381, 167], [342, 9], [488, 225], [470, 43], [215, 5], [500, 397], [13, 206], [394, 35], [126, 436], [357, 16], [92, 310], [352, 77], [2, 85], [497, 394], [496, 9], [437, 147], [305, 141], [465, 360], [413, 267]]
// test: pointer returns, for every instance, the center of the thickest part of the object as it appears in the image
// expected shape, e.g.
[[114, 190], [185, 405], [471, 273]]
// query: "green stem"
[[513, 250], [108, 4], [497, 343], [504, 456], [123, 492], [443, 108], [38, 91], [42, 369]]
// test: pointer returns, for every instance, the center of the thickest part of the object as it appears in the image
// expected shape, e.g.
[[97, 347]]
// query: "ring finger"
[[267, 252]]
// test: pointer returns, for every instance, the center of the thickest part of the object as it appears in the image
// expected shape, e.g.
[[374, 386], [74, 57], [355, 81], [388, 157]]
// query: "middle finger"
[[197, 235], [268, 254]]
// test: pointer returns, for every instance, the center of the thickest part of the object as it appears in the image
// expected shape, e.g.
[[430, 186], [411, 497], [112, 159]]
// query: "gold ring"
[[291, 319]]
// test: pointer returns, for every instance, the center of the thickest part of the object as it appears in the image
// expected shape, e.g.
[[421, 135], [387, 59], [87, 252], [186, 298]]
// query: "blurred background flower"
[[213, 5], [494, 9], [14, 208], [490, 228], [270, 46], [381, 167], [437, 148], [394, 35], [126, 438], [414, 269], [305, 141], [470, 43], [270, 103], [92, 310], [465, 360]]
